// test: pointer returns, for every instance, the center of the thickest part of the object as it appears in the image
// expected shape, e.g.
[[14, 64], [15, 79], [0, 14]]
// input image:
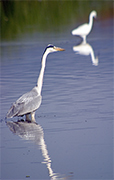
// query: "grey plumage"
[[26, 104]]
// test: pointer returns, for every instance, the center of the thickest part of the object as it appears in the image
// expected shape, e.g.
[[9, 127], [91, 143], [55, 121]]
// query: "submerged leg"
[[33, 116]]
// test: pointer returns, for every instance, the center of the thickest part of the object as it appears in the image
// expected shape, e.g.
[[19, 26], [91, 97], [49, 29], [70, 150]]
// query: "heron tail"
[[12, 112]]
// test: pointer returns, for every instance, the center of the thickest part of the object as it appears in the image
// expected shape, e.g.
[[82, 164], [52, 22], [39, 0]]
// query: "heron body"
[[85, 29], [29, 102]]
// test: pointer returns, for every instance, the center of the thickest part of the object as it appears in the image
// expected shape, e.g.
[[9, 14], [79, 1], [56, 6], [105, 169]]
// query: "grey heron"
[[84, 30], [29, 102]]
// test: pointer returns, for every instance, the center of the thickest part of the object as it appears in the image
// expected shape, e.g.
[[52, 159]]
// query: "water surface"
[[75, 120]]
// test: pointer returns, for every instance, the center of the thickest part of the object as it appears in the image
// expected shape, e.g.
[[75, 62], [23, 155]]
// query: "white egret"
[[29, 102], [85, 29]]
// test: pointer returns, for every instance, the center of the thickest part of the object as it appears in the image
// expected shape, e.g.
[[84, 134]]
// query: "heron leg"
[[33, 116], [27, 117], [84, 39]]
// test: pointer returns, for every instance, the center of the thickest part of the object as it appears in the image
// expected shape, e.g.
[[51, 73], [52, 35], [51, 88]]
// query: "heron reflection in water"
[[86, 49], [28, 103], [33, 132], [86, 28]]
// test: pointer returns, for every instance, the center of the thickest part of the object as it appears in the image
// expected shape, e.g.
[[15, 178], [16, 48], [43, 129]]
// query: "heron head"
[[94, 14], [51, 48]]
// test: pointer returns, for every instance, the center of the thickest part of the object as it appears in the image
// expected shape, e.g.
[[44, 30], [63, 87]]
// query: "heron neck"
[[90, 21], [41, 75]]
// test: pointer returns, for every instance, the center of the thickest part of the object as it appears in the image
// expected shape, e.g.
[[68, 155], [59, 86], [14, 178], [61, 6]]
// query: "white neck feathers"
[[41, 75], [91, 20]]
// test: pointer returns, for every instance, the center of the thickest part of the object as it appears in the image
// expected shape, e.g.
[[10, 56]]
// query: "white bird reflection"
[[86, 49], [33, 132]]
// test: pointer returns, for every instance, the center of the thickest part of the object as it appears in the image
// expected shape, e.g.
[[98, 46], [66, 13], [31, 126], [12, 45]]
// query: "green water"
[[18, 17]]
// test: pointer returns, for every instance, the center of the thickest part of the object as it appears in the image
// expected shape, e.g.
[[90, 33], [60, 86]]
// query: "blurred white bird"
[[85, 29]]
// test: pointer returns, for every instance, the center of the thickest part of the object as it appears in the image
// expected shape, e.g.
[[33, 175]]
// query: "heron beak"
[[59, 49]]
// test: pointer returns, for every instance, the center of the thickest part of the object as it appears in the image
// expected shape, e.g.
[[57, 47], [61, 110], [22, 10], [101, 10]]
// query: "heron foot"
[[33, 117]]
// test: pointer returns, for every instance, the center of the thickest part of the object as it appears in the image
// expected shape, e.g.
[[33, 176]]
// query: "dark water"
[[74, 135]]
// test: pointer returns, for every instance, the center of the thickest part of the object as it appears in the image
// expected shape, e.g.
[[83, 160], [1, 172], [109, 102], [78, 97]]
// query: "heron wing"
[[27, 103]]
